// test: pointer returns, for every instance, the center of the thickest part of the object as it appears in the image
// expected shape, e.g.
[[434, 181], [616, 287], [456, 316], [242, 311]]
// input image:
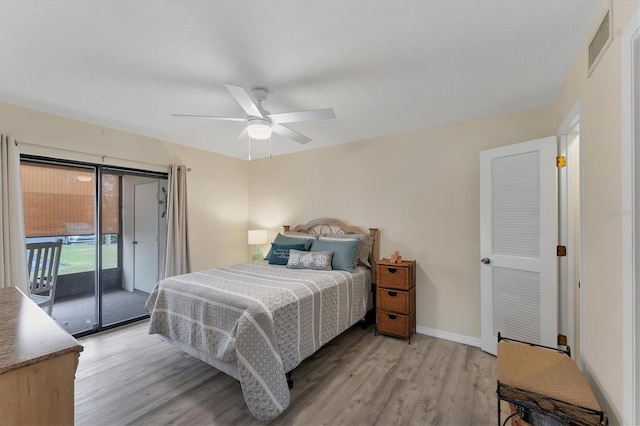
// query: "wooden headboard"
[[327, 226]]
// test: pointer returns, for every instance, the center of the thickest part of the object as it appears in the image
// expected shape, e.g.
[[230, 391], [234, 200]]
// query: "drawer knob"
[[392, 270], [392, 317], [392, 293]]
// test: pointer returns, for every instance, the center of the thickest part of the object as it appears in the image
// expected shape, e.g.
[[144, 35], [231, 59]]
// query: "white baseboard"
[[458, 338]]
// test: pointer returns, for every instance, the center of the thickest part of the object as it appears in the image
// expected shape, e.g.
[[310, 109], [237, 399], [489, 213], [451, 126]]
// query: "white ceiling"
[[383, 66]]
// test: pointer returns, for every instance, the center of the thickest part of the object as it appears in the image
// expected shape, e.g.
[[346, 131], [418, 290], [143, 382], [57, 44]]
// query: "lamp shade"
[[257, 236]]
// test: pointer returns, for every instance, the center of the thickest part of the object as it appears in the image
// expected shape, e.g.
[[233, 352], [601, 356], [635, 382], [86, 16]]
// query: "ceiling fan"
[[260, 121]]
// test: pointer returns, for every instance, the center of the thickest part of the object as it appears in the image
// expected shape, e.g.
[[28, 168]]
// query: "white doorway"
[[145, 236], [143, 230], [518, 237], [570, 314]]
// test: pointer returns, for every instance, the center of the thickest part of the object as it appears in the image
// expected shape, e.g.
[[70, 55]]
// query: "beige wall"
[[217, 185], [600, 144], [420, 188]]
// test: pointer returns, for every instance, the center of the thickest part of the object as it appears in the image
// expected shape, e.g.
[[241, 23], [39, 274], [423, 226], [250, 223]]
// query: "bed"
[[257, 321]]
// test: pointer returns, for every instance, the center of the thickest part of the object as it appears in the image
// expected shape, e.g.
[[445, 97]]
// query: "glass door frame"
[[99, 170]]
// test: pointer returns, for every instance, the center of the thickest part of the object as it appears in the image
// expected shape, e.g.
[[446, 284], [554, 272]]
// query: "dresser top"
[[27, 334]]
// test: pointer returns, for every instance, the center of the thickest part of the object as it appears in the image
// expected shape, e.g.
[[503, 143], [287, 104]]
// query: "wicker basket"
[[532, 418], [394, 323], [518, 420], [396, 301], [396, 275]]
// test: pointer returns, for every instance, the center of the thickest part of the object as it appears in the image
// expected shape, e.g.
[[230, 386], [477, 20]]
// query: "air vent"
[[600, 41]]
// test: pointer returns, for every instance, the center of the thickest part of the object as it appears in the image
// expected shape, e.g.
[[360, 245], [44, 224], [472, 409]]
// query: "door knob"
[[485, 260]]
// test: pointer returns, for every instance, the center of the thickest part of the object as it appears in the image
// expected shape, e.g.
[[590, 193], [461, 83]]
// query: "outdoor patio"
[[76, 313]]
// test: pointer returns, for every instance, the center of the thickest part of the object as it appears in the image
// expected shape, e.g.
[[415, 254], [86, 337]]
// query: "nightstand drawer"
[[395, 324], [397, 301], [400, 276]]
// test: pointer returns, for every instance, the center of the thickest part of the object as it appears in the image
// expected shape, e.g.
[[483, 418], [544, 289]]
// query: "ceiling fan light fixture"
[[260, 122], [259, 129]]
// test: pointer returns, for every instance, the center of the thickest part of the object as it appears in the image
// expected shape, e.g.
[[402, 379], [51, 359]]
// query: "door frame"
[[566, 236], [98, 170], [630, 58]]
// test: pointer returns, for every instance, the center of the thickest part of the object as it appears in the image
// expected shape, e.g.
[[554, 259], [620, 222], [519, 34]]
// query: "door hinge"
[[561, 250], [561, 161]]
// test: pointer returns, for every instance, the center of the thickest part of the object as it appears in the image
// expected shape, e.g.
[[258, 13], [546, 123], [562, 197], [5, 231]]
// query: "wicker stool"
[[544, 386]]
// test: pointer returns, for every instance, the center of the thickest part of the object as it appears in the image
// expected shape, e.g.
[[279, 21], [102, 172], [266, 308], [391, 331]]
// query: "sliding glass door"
[[111, 247], [59, 203], [139, 234]]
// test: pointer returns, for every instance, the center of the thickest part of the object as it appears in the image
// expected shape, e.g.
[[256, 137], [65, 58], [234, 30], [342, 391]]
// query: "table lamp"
[[257, 237]]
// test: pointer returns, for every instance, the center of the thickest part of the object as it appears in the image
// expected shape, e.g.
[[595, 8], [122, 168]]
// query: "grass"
[[81, 257]]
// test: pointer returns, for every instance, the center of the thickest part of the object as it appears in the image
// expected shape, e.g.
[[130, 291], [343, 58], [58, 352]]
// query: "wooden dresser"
[[396, 298], [38, 361]]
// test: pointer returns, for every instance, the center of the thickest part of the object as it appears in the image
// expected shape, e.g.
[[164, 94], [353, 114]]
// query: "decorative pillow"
[[318, 260], [365, 249], [344, 252], [280, 253], [292, 239]]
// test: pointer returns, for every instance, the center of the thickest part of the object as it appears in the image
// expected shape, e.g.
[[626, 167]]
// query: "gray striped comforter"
[[267, 318]]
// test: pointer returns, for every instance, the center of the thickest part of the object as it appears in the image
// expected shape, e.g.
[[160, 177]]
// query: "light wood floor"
[[126, 376]]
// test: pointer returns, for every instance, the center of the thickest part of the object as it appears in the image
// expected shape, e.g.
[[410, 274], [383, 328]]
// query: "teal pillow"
[[280, 253], [283, 239], [344, 252]]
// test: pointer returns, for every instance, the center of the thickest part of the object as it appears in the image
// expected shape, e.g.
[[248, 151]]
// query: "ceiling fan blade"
[[292, 117], [242, 133], [289, 134], [211, 117], [244, 100]]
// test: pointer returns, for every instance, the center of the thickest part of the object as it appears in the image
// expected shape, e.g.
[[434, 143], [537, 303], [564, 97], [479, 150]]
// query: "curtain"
[[177, 259], [13, 261]]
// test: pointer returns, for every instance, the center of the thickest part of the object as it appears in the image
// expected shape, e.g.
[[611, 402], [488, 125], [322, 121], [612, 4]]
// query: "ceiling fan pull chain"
[[249, 148], [269, 147]]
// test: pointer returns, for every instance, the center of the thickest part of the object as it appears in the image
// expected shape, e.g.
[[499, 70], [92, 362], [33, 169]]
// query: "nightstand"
[[396, 298]]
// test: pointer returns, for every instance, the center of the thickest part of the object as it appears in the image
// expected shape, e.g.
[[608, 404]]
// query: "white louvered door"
[[518, 239]]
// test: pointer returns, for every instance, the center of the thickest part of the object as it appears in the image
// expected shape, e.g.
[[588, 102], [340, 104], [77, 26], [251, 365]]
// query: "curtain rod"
[[94, 155]]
